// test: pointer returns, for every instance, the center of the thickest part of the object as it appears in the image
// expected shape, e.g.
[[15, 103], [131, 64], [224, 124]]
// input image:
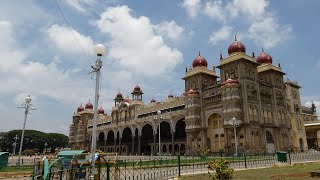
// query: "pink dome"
[[119, 95], [230, 81], [236, 46], [191, 92], [199, 61], [101, 111], [137, 88], [89, 105], [264, 58], [80, 108]]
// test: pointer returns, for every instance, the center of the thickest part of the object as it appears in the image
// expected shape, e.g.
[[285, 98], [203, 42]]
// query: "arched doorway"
[[215, 127], [126, 142], [101, 142], [146, 139], [270, 142], [110, 141], [180, 135], [301, 145], [166, 136]]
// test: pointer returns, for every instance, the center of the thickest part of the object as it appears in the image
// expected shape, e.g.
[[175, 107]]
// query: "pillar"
[[139, 141], [172, 142], [132, 137], [120, 149], [154, 143]]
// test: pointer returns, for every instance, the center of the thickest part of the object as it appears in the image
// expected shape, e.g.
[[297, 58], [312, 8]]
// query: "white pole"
[[26, 106], [159, 135], [235, 138], [95, 115]]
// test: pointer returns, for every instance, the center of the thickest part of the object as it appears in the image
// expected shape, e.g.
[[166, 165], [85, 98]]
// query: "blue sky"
[[148, 43]]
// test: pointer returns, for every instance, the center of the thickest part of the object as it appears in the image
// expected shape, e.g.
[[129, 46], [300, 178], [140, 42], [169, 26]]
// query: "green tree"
[[33, 140]]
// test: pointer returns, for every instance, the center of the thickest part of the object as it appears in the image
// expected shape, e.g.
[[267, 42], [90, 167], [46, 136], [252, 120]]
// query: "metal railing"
[[161, 167]]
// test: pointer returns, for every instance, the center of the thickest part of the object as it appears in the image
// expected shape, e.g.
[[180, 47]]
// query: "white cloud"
[[80, 5], [21, 76], [214, 10], [64, 40], [224, 33], [135, 45], [170, 30], [192, 7], [268, 33], [263, 27], [251, 8]]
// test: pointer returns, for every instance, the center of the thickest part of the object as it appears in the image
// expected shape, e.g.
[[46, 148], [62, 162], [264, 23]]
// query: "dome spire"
[[199, 53], [262, 49], [235, 37]]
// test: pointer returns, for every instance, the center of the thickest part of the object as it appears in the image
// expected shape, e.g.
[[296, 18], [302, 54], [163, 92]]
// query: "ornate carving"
[[294, 94], [252, 92], [231, 72], [250, 72], [265, 79]]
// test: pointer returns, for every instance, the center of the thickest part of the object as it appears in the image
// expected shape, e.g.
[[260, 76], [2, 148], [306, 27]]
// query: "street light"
[[25, 106], [45, 147], [15, 144], [100, 50], [235, 123], [158, 119]]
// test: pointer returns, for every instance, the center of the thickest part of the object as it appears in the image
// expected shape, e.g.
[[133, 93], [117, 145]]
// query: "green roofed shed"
[[70, 153], [4, 156]]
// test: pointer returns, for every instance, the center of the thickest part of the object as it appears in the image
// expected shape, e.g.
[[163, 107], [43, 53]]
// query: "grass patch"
[[295, 172], [16, 169]]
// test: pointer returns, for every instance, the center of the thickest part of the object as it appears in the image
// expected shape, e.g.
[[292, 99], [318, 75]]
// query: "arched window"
[[269, 137]]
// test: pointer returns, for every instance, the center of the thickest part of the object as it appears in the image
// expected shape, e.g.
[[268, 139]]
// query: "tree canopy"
[[33, 139]]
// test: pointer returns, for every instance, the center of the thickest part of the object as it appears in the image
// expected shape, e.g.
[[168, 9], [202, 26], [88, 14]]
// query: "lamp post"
[[25, 106], [100, 51], [45, 147], [158, 119], [15, 144], [235, 123]]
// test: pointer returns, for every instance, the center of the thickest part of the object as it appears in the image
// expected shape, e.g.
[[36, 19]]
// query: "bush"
[[29, 152], [223, 171]]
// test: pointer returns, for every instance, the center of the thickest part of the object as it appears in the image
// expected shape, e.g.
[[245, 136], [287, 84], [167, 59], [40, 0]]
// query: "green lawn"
[[16, 169], [298, 171]]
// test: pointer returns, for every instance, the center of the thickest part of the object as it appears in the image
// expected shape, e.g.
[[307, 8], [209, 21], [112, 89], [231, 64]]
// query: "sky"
[[46, 49]]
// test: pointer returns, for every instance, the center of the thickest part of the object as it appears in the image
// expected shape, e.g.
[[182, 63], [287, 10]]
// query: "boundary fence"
[[157, 167]]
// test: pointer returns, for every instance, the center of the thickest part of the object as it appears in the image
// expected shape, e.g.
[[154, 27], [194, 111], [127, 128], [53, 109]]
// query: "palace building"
[[249, 94]]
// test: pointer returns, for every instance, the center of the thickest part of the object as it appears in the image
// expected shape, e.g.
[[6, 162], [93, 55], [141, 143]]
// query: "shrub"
[[223, 171]]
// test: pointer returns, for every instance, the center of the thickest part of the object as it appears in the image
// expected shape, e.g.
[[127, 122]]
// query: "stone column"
[[172, 142], [318, 139], [154, 143], [120, 149], [105, 145], [115, 145], [132, 145], [139, 142]]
